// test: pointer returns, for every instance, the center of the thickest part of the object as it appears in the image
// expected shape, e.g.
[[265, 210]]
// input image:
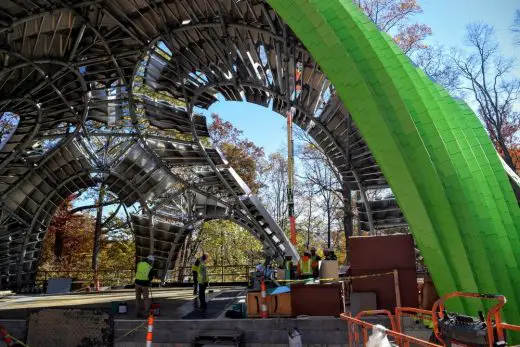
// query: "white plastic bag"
[[295, 339], [378, 337]]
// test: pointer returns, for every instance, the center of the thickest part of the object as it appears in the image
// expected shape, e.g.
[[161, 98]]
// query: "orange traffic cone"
[[5, 337], [264, 313], [149, 333]]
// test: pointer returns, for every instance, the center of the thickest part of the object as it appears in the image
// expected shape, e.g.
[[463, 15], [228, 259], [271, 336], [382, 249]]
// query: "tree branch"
[[88, 207]]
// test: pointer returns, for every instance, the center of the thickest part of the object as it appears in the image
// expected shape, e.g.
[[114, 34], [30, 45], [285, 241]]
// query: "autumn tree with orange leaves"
[[243, 155], [67, 246], [68, 242]]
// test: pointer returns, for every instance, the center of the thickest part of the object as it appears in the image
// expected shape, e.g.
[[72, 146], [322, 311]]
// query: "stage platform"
[[178, 324]]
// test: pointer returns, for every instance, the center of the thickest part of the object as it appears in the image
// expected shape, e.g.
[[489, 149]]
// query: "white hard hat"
[[150, 258]]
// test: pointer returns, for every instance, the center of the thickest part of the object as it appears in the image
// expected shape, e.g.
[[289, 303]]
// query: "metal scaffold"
[[110, 93]]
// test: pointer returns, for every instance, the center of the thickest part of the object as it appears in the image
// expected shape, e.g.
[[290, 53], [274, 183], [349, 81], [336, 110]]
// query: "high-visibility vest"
[[195, 268], [287, 265], [306, 266], [315, 261], [202, 275], [143, 271]]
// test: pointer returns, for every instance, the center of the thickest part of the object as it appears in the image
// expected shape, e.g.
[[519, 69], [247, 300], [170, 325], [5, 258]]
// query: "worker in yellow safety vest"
[[195, 275], [287, 267], [143, 279], [203, 282], [305, 266]]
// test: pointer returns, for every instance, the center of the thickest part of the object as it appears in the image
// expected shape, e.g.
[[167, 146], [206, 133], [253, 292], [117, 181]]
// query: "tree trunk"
[[309, 221], [97, 236], [328, 224]]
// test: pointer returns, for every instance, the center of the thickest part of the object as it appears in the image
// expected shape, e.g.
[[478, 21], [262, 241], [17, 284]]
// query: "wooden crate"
[[253, 302], [279, 305]]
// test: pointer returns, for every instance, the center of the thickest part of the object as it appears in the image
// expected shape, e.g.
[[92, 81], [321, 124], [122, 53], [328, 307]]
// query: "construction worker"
[[329, 254], [203, 282], [315, 263], [195, 275], [305, 265], [288, 267], [143, 279]]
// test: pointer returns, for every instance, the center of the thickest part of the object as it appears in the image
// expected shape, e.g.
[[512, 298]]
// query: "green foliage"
[[226, 243]]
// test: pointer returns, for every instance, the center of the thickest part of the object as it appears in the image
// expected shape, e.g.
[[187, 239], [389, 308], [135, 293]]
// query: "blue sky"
[[448, 20]]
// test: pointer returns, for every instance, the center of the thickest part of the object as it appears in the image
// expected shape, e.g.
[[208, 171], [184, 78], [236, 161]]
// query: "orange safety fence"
[[396, 332], [378, 313], [506, 326], [353, 324]]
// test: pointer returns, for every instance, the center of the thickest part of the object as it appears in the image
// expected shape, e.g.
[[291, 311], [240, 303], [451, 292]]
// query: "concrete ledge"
[[315, 330]]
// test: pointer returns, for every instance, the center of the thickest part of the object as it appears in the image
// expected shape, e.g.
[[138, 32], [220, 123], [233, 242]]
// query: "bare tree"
[[310, 151], [436, 63], [489, 81], [322, 180], [274, 193], [393, 16]]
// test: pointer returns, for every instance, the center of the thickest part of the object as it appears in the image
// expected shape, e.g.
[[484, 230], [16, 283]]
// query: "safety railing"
[[82, 279], [122, 277], [216, 274]]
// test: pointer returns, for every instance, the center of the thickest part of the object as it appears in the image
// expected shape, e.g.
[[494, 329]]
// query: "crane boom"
[[290, 172]]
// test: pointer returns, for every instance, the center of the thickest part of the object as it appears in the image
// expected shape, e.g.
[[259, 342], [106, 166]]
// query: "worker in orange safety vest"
[[305, 265]]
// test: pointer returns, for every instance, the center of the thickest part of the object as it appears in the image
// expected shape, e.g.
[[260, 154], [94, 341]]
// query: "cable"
[[131, 331], [18, 341]]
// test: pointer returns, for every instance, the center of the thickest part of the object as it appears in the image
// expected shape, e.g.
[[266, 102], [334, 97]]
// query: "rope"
[[335, 280], [17, 341], [416, 315], [131, 331]]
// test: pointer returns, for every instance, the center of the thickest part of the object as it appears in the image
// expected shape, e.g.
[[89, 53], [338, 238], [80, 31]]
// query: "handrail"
[[217, 274]]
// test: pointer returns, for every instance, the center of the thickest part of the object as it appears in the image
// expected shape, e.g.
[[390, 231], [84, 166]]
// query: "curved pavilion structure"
[[111, 91]]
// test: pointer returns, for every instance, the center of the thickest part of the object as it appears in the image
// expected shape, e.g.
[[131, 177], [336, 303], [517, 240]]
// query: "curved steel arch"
[[57, 191], [441, 163], [105, 42], [27, 139], [38, 65], [275, 93]]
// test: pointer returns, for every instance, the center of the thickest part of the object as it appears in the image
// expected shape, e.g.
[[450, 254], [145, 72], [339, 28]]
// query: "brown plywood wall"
[[379, 254]]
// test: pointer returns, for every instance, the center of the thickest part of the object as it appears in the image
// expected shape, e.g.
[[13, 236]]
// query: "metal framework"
[[110, 91]]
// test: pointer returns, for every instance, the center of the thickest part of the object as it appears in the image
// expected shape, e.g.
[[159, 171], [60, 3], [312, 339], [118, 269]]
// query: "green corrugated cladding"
[[433, 150]]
